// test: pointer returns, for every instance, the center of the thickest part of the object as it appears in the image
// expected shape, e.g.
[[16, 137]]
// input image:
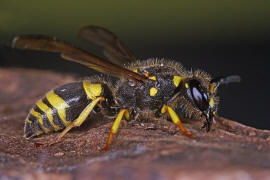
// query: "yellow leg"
[[77, 122], [175, 119], [116, 123]]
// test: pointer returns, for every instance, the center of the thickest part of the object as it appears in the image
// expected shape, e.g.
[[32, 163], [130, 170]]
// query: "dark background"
[[220, 37]]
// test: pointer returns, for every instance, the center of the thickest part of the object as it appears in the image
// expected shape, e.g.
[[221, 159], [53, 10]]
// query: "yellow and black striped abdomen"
[[60, 107]]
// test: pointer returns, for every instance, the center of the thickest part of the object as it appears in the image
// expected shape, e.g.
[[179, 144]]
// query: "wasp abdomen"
[[60, 107]]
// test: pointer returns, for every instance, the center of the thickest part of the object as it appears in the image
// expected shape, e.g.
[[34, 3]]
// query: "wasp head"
[[201, 93], [203, 101]]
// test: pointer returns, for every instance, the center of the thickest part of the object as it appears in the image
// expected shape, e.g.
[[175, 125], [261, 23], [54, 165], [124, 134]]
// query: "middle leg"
[[115, 126], [76, 123]]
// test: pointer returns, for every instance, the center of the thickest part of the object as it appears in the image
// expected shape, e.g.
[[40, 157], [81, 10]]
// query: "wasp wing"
[[113, 48], [71, 53]]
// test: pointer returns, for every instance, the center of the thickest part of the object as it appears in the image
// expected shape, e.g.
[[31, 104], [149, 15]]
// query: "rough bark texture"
[[139, 151]]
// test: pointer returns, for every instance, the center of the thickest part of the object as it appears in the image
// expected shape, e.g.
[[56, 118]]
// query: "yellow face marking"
[[211, 103], [154, 78], [176, 80], [49, 113], [186, 85], [211, 88], [135, 70], [153, 91], [40, 120], [92, 90], [59, 104]]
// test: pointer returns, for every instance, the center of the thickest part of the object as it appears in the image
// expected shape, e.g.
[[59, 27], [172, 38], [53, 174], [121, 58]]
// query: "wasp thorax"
[[198, 95]]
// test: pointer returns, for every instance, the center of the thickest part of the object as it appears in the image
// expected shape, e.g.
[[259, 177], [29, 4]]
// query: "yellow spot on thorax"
[[49, 113], [154, 78], [186, 85], [211, 103], [59, 104], [92, 90], [177, 80], [135, 70], [153, 91]]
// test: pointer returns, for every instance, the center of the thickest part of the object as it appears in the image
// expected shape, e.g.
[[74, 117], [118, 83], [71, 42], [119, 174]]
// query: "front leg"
[[176, 120]]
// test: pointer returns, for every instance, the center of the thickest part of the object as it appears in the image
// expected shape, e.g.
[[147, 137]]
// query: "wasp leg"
[[77, 122], [176, 120], [116, 123]]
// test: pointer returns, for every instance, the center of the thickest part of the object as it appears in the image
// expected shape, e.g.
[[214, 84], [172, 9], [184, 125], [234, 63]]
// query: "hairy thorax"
[[149, 98]]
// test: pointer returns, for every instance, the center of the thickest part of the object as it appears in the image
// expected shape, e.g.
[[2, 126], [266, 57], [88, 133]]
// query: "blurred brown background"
[[221, 37]]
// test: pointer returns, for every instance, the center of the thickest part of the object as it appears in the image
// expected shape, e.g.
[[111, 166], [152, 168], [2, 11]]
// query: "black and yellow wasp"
[[144, 90]]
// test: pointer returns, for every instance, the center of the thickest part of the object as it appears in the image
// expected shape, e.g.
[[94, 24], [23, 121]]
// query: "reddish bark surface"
[[139, 151]]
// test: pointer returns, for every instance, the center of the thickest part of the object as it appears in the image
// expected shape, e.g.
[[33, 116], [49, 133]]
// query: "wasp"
[[144, 89]]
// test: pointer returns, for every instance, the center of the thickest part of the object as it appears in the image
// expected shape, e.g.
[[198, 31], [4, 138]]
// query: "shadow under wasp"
[[148, 88]]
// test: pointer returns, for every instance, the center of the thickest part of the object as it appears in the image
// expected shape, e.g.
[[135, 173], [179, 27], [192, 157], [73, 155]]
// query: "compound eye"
[[199, 96]]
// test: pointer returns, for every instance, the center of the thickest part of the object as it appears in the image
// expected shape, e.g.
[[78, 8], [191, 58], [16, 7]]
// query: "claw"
[[45, 144], [187, 134], [40, 144]]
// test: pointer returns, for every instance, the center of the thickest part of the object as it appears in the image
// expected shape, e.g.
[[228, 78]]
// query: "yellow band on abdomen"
[[92, 90], [49, 113], [59, 104], [40, 120]]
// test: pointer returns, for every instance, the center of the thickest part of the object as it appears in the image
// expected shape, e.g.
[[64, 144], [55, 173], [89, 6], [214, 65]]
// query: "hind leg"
[[76, 123]]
